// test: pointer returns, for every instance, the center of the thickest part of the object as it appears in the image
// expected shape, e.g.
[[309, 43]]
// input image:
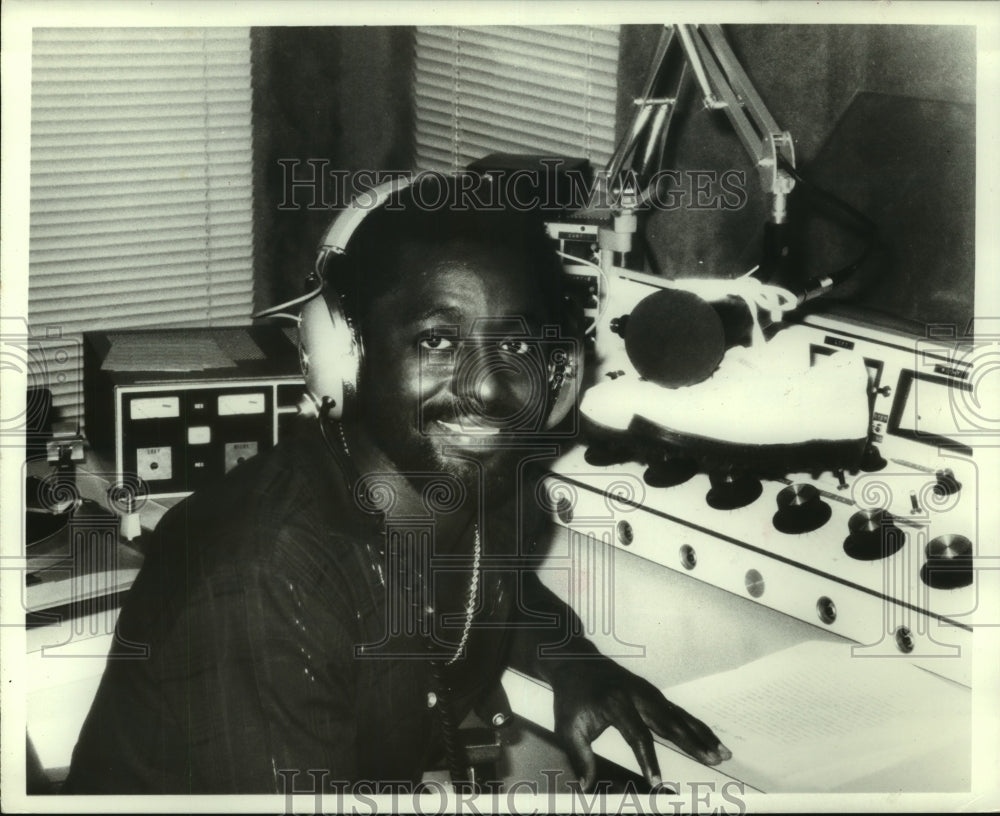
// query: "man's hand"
[[594, 693]]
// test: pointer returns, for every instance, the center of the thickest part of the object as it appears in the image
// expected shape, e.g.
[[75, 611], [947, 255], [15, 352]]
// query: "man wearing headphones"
[[334, 608]]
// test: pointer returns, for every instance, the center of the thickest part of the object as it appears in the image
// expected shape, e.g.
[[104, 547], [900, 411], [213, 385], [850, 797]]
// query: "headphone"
[[331, 351]]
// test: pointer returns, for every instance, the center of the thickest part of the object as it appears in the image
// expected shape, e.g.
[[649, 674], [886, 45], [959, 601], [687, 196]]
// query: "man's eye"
[[435, 343], [514, 346]]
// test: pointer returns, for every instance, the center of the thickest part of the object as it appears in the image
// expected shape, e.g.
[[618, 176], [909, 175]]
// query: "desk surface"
[[672, 629], [662, 624]]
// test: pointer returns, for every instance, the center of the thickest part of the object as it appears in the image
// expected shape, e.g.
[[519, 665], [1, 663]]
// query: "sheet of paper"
[[166, 351], [814, 717]]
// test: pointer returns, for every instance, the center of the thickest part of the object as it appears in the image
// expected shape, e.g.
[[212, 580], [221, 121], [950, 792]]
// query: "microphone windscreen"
[[674, 338]]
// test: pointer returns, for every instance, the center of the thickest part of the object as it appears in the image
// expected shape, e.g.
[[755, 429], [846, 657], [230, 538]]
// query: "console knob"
[[873, 535], [731, 490], [618, 325], [800, 510], [603, 454], [949, 562], [947, 484], [668, 471], [871, 459]]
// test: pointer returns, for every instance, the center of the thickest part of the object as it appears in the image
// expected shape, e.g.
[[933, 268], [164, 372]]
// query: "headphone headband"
[[339, 233]]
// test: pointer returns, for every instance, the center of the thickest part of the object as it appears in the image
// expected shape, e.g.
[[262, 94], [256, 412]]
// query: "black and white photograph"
[[501, 407]]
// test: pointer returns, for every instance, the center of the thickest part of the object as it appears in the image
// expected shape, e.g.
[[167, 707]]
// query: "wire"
[[286, 315], [870, 228], [602, 287], [828, 197], [346, 470], [454, 751], [274, 310]]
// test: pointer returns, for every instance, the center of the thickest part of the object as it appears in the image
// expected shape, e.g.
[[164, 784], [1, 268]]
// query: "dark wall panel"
[[339, 95], [808, 76]]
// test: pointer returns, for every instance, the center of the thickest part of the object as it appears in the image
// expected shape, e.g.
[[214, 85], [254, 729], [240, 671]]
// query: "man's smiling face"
[[453, 371]]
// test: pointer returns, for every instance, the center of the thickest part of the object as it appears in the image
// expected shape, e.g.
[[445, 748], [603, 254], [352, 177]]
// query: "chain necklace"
[[471, 595], [470, 599]]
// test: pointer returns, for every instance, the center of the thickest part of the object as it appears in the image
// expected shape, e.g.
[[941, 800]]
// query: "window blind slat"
[[191, 71], [64, 211], [525, 99], [143, 274], [116, 95], [97, 180], [94, 297], [52, 197], [506, 54], [165, 129], [140, 34], [111, 226], [84, 168], [152, 244], [166, 229], [141, 209], [141, 146], [139, 114], [478, 142], [436, 111], [516, 89], [569, 38]]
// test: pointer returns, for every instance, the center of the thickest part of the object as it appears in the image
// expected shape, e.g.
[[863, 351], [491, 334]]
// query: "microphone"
[[675, 337]]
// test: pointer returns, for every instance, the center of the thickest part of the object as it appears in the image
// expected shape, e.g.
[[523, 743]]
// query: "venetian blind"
[[514, 89], [140, 210]]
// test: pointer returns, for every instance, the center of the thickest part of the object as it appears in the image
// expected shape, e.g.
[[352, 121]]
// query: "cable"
[[286, 315], [454, 751], [830, 198], [602, 287], [824, 283], [275, 310], [348, 473]]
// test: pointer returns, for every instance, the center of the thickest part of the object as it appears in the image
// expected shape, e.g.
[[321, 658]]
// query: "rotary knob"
[[946, 484], [949, 562], [800, 510], [731, 490], [604, 454], [871, 459], [667, 471], [873, 535]]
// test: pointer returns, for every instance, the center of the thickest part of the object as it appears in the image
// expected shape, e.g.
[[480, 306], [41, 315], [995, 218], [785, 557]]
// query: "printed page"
[[814, 717]]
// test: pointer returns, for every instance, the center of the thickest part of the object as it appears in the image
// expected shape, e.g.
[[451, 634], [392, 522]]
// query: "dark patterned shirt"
[[247, 617]]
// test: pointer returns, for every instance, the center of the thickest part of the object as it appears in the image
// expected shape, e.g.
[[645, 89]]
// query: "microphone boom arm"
[[726, 86]]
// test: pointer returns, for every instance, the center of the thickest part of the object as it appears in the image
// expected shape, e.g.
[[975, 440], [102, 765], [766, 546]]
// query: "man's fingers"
[[636, 734], [687, 732], [581, 756]]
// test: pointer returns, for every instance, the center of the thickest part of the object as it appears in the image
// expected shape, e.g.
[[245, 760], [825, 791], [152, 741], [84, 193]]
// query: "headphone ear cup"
[[330, 354]]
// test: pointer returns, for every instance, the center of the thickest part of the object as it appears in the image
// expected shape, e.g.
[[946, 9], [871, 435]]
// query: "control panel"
[[179, 408], [178, 437], [884, 553]]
